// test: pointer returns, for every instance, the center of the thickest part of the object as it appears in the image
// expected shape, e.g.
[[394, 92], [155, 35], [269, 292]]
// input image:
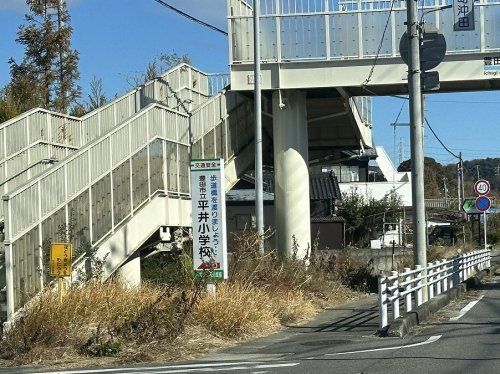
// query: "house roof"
[[324, 186], [246, 195], [327, 219]]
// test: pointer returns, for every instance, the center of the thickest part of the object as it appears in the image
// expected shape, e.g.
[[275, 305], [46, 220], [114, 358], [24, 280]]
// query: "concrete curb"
[[402, 325]]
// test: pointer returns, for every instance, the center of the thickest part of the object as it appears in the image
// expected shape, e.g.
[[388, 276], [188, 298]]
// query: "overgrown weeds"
[[95, 319], [263, 293]]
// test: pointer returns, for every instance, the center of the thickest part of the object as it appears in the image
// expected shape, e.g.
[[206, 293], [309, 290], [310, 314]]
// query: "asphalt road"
[[463, 337]]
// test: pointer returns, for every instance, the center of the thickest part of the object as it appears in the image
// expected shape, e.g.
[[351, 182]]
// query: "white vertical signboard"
[[209, 217], [463, 12]]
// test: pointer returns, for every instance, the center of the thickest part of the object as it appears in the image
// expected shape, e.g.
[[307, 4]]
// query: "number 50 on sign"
[[61, 259]]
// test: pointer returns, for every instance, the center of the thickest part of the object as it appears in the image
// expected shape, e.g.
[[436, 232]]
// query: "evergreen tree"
[[48, 73], [8, 106], [66, 65]]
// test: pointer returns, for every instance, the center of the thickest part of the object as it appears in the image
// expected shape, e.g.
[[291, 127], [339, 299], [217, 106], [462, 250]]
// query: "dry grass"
[[177, 321], [92, 320], [236, 311], [436, 253]]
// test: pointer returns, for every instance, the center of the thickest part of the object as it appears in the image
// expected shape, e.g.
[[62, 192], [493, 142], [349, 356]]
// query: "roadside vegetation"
[[171, 316]]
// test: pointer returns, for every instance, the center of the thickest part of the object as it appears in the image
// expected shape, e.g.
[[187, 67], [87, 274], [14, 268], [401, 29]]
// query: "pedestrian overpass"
[[119, 176]]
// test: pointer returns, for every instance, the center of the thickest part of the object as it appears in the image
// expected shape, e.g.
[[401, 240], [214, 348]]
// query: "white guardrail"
[[407, 287]]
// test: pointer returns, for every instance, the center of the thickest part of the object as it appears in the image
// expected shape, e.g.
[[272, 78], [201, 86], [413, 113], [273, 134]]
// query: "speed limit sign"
[[482, 187]]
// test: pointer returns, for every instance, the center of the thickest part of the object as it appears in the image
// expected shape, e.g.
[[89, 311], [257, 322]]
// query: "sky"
[[116, 39]]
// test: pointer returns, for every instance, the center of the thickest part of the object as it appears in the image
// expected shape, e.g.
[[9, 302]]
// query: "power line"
[[482, 150], [464, 102], [190, 17], [369, 77], [439, 140]]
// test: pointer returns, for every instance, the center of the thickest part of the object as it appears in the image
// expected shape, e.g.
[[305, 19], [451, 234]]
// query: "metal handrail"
[[320, 42], [32, 111], [81, 121], [61, 164]]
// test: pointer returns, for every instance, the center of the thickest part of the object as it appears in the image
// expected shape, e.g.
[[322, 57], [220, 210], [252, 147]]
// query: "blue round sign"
[[483, 203]]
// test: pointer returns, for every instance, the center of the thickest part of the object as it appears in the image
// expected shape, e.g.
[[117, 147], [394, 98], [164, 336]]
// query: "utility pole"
[[401, 150], [259, 183], [459, 188], [416, 137], [445, 191], [477, 168]]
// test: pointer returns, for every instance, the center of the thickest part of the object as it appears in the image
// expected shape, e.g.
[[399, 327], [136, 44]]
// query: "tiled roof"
[[324, 186], [327, 219], [246, 195]]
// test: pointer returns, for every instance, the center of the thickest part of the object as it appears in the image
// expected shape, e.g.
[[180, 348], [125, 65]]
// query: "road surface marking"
[[147, 368], [190, 368], [466, 308], [216, 369], [432, 339]]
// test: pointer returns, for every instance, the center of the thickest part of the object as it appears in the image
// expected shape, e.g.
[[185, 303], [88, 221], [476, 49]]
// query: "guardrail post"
[[468, 262], [418, 275], [395, 295], [382, 300], [438, 270], [473, 263], [488, 259], [408, 286], [430, 278], [444, 273], [456, 269], [451, 275], [463, 275]]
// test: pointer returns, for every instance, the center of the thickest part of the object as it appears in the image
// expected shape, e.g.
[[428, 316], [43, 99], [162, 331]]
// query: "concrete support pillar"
[[129, 274], [291, 174]]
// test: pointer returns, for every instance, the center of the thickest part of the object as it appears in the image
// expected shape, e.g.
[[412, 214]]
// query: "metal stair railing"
[[181, 88], [30, 137], [40, 133], [96, 189], [92, 192], [222, 127], [325, 30]]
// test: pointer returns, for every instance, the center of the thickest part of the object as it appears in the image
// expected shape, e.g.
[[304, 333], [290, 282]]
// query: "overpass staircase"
[[122, 172]]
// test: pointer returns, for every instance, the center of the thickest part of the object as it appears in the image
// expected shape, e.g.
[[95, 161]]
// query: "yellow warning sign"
[[61, 259]]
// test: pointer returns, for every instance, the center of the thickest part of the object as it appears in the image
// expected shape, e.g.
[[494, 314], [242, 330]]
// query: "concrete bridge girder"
[[458, 72]]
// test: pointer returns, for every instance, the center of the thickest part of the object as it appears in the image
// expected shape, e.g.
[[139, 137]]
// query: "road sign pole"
[[416, 137], [485, 231]]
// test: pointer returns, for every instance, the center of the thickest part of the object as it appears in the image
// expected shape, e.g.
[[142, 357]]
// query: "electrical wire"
[[463, 102], [372, 69], [190, 17], [399, 114], [439, 140]]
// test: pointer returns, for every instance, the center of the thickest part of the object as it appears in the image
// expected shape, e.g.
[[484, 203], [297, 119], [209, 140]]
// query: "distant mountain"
[[436, 176]]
